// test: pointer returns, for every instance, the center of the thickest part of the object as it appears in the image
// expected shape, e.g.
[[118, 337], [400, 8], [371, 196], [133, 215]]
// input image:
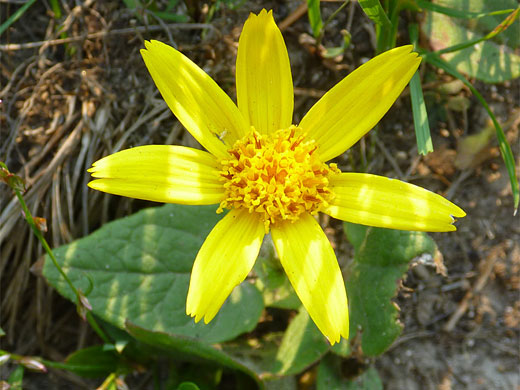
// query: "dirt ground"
[[72, 96]]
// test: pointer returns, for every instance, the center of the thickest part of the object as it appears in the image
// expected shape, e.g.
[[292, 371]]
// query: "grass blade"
[[313, 10], [505, 148], [420, 116], [14, 17]]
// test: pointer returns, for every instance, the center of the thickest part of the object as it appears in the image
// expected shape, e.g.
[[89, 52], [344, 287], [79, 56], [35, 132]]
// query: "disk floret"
[[278, 175]]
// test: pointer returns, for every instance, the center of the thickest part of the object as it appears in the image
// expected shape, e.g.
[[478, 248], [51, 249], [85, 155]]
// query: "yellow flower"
[[270, 173]]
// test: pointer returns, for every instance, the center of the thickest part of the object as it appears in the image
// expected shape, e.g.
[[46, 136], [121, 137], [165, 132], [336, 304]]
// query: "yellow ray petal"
[[195, 99], [311, 265], [379, 201], [223, 262], [355, 105], [263, 73], [160, 173]]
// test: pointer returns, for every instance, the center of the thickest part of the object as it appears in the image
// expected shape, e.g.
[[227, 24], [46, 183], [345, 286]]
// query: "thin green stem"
[[30, 220], [330, 19]]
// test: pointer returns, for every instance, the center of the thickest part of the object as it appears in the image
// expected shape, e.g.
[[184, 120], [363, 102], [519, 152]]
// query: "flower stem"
[[81, 307]]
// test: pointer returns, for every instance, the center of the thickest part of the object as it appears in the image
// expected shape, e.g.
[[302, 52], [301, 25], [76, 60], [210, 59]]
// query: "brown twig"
[[487, 267], [100, 34], [293, 17]]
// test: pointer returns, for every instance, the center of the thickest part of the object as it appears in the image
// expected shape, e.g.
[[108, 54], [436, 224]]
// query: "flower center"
[[278, 176]]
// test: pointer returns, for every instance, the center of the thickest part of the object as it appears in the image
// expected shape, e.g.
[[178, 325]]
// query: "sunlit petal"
[[160, 173], [354, 105], [223, 262], [379, 201], [263, 73], [195, 99], [310, 263]]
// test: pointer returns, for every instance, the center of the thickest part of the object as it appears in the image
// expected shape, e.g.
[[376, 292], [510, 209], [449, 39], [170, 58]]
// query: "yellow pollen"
[[279, 176]]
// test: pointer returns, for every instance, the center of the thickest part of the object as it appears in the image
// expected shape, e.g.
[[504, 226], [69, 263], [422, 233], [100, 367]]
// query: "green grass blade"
[[313, 10], [14, 17], [56, 9], [420, 116], [455, 13], [505, 148]]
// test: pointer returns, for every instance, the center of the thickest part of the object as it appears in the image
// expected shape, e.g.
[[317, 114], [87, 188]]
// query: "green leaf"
[[420, 117], [302, 345], [381, 258], [16, 378], [313, 10], [503, 145], [332, 52], [189, 348], [342, 348], [93, 362], [476, 54], [140, 269], [375, 12], [330, 377], [274, 284]]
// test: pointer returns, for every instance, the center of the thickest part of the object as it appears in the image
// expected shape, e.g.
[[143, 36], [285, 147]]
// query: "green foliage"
[[16, 378], [314, 13], [139, 268], [302, 345], [274, 285], [386, 21], [467, 47], [93, 362], [381, 258], [456, 13], [375, 11], [420, 116], [492, 60], [505, 148], [189, 348]]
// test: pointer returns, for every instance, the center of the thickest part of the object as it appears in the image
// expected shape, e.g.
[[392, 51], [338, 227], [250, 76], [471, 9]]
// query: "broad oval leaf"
[[139, 268]]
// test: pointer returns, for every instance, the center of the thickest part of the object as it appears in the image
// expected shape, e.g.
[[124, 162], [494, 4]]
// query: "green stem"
[[330, 19], [30, 220]]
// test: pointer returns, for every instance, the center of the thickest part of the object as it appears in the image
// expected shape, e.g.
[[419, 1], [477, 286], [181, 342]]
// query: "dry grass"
[[65, 103]]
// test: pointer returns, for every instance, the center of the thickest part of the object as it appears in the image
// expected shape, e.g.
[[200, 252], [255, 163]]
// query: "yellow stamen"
[[278, 176]]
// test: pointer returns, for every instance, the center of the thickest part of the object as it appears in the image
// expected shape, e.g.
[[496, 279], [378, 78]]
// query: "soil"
[[66, 103]]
